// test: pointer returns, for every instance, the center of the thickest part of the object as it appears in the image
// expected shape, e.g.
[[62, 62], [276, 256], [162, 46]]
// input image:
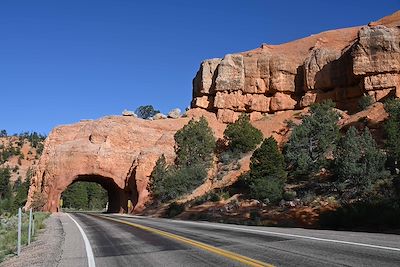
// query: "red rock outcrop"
[[120, 152], [117, 152], [341, 65]]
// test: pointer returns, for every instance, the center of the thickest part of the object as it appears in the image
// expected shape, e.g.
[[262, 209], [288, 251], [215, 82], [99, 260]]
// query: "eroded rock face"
[[341, 65], [117, 152]]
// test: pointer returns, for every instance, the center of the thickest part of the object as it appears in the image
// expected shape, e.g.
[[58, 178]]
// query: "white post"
[[30, 226], [19, 232], [33, 225]]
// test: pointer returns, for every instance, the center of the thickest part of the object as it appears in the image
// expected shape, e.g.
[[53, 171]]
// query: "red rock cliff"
[[341, 65]]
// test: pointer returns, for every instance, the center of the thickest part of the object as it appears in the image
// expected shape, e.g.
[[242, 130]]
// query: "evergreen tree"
[[146, 112], [392, 132], [242, 136], [97, 197], [22, 193], [5, 188], [311, 141], [195, 144], [75, 196], [267, 172], [358, 161], [157, 176]]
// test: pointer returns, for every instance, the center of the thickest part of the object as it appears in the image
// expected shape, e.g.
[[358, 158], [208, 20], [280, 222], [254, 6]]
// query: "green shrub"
[[365, 101], [242, 136], [267, 174], [210, 196], [175, 209], [364, 215], [179, 181], [311, 141], [289, 195]]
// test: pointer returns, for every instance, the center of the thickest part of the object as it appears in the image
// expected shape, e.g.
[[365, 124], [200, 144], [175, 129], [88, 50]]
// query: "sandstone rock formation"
[[118, 152], [341, 65], [270, 83]]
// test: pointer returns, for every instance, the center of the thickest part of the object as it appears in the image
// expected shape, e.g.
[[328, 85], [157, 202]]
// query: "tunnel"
[[120, 200]]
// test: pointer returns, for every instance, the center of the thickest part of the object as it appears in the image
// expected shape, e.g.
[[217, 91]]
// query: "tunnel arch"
[[118, 198]]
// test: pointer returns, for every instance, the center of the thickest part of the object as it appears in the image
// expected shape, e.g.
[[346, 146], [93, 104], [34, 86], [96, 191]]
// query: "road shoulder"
[[45, 251], [73, 247]]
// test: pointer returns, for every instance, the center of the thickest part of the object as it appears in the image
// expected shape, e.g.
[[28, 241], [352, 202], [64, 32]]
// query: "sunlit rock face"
[[117, 152], [341, 65]]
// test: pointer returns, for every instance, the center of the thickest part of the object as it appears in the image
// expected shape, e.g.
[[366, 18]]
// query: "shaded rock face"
[[342, 65]]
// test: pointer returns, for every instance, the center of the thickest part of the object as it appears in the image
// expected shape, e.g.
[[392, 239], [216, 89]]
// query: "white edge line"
[[282, 234], [89, 251]]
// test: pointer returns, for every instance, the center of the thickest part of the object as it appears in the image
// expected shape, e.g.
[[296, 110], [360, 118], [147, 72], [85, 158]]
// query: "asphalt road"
[[118, 240]]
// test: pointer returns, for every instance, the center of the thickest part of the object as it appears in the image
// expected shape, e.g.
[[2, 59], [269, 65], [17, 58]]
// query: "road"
[[118, 240]]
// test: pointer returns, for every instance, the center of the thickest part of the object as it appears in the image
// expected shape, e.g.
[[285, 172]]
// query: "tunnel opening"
[[95, 192]]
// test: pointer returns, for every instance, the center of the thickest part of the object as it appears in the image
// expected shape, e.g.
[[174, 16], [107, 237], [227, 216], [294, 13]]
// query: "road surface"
[[119, 240]]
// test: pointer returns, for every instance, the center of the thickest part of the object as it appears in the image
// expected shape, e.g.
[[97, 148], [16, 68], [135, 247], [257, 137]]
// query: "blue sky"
[[62, 61]]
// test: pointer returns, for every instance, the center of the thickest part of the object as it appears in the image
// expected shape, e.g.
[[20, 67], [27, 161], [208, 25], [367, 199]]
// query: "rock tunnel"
[[119, 199], [117, 152]]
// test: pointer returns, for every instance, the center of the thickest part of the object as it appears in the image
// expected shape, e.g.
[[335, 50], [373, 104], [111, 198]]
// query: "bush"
[[242, 136], [210, 196], [366, 215], [365, 101], [311, 141], [289, 195], [358, 161], [267, 174], [174, 209], [176, 182]]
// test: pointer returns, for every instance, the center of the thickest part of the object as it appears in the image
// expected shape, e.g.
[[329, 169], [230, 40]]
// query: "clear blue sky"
[[62, 61]]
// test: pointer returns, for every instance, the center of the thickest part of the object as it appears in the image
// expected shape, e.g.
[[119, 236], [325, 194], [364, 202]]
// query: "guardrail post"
[[30, 226], [19, 232], [33, 225]]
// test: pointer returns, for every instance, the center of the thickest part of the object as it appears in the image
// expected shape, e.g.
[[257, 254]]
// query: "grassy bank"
[[8, 231]]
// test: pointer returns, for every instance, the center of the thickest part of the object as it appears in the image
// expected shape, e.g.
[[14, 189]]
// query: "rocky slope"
[[19, 155], [341, 65]]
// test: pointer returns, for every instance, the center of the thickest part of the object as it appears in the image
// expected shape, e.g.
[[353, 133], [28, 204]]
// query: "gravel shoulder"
[[46, 250]]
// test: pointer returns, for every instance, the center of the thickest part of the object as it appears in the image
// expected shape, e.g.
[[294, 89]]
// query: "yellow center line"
[[227, 254]]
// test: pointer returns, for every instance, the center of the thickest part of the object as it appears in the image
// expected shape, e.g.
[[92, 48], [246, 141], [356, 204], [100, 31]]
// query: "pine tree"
[[358, 161], [5, 188], [146, 112], [392, 132], [267, 172], [159, 173], [311, 141], [195, 144], [242, 136]]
